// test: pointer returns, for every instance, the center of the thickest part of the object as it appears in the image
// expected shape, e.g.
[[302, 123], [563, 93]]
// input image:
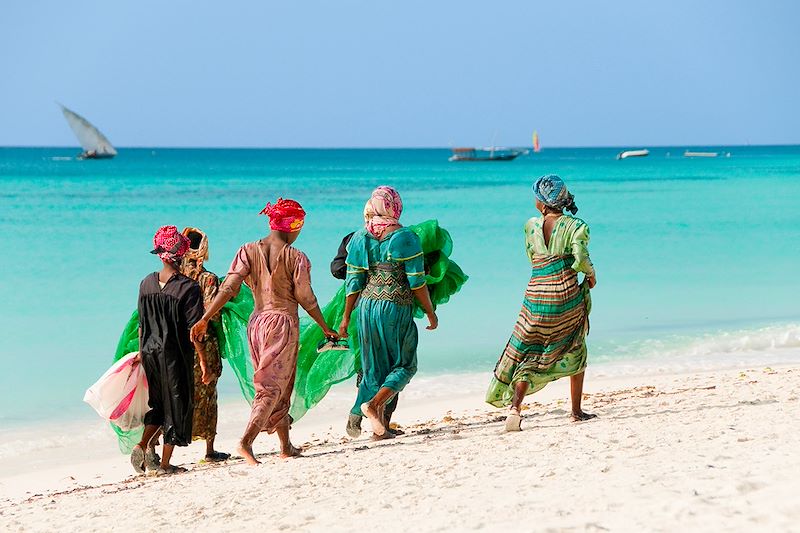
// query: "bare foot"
[[247, 452], [372, 414], [580, 416], [293, 451]]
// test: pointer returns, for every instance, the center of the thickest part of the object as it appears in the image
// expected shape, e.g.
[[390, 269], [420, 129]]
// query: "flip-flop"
[[137, 459], [514, 421], [152, 461], [340, 345], [217, 457], [377, 423], [171, 469]]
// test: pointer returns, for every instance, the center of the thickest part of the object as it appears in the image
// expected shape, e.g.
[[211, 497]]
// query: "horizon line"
[[609, 146]]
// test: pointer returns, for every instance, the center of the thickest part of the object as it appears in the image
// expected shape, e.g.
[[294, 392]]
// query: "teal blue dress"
[[385, 272]]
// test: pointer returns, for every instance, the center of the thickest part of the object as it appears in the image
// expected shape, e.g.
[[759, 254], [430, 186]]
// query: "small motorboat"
[[689, 153], [633, 153]]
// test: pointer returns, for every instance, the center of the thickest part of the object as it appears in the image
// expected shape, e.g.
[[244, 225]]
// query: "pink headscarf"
[[169, 244], [383, 210], [285, 215]]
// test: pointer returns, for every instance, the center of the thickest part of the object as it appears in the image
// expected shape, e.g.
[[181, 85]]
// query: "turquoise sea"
[[697, 259]]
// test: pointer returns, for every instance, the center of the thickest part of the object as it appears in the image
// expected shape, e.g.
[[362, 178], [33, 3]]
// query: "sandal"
[[171, 469], [151, 461], [353, 427], [514, 421], [216, 457], [137, 459]]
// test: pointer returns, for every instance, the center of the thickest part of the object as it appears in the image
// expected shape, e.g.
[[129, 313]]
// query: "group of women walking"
[[392, 273]]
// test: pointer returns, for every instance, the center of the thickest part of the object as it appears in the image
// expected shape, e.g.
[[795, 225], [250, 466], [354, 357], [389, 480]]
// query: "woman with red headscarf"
[[169, 304], [280, 278]]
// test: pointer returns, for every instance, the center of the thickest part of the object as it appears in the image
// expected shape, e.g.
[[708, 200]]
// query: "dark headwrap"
[[552, 192], [285, 215]]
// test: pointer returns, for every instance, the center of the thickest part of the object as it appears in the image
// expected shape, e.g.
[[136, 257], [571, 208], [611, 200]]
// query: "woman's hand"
[[433, 321], [591, 280], [206, 378], [330, 334], [136, 360], [343, 328], [198, 331]]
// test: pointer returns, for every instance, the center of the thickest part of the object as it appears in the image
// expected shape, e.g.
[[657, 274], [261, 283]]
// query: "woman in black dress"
[[169, 305]]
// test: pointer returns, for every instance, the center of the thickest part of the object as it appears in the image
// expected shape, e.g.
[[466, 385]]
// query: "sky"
[[402, 74]]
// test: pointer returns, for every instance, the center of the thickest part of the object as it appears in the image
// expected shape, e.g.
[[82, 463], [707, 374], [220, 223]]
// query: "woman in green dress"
[[385, 272], [549, 338]]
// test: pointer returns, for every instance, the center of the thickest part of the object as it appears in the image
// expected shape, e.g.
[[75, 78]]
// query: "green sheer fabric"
[[317, 373]]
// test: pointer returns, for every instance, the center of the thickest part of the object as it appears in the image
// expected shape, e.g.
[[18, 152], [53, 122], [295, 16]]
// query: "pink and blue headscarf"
[[552, 192], [382, 211]]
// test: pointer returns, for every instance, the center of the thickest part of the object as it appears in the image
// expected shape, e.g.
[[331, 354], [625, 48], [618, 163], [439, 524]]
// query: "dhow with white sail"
[[95, 145]]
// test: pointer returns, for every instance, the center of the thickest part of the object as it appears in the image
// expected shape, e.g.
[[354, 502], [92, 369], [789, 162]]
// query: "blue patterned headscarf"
[[552, 192]]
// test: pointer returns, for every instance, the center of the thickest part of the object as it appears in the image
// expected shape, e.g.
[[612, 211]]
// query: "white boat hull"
[[633, 153]]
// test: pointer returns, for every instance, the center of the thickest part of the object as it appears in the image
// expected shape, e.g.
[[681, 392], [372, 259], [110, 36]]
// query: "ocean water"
[[697, 259]]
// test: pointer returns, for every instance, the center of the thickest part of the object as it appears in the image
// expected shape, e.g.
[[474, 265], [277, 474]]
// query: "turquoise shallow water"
[[696, 258]]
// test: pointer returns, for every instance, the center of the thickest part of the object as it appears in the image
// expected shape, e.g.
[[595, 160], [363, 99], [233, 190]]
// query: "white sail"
[[90, 137]]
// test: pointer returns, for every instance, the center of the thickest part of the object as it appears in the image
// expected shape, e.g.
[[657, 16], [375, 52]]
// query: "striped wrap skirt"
[[549, 338]]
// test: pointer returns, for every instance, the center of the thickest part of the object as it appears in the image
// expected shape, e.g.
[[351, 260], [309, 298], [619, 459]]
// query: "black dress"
[[165, 317]]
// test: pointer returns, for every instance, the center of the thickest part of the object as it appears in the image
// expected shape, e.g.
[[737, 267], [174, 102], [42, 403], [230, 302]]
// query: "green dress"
[[318, 372], [549, 338], [384, 272]]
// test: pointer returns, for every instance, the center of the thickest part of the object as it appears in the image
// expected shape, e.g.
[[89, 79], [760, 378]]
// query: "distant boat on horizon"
[[95, 145], [689, 153], [633, 153], [492, 153], [536, 147]]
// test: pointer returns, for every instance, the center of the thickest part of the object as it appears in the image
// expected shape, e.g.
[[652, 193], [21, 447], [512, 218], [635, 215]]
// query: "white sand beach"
[[716, 451]]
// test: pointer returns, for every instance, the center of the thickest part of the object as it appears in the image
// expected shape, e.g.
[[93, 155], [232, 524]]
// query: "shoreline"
[[658, 409]]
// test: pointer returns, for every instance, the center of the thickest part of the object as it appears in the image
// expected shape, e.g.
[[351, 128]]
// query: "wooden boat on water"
[[485, 154], [633, 153], [95, 145]]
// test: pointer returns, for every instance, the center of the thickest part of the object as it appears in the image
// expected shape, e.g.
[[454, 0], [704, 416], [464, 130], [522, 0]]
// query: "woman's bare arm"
[[349, 305], [424, 298]]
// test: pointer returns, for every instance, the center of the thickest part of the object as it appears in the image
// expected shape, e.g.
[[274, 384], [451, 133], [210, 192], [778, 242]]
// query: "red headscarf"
[[285, 215], [169, 244]]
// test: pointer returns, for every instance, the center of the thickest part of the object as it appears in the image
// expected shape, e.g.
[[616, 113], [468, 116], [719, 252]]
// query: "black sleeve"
[[338, 265], [139, 306], [193, 304]]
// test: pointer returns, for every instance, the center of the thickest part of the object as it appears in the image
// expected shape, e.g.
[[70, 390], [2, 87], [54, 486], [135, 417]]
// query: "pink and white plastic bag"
[[120, 395]]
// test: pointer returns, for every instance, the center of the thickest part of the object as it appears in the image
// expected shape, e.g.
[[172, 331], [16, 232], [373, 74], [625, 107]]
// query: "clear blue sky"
[[411, 73]]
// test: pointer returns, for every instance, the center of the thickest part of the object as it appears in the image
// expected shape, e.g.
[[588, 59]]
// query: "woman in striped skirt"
[[549, 338]]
